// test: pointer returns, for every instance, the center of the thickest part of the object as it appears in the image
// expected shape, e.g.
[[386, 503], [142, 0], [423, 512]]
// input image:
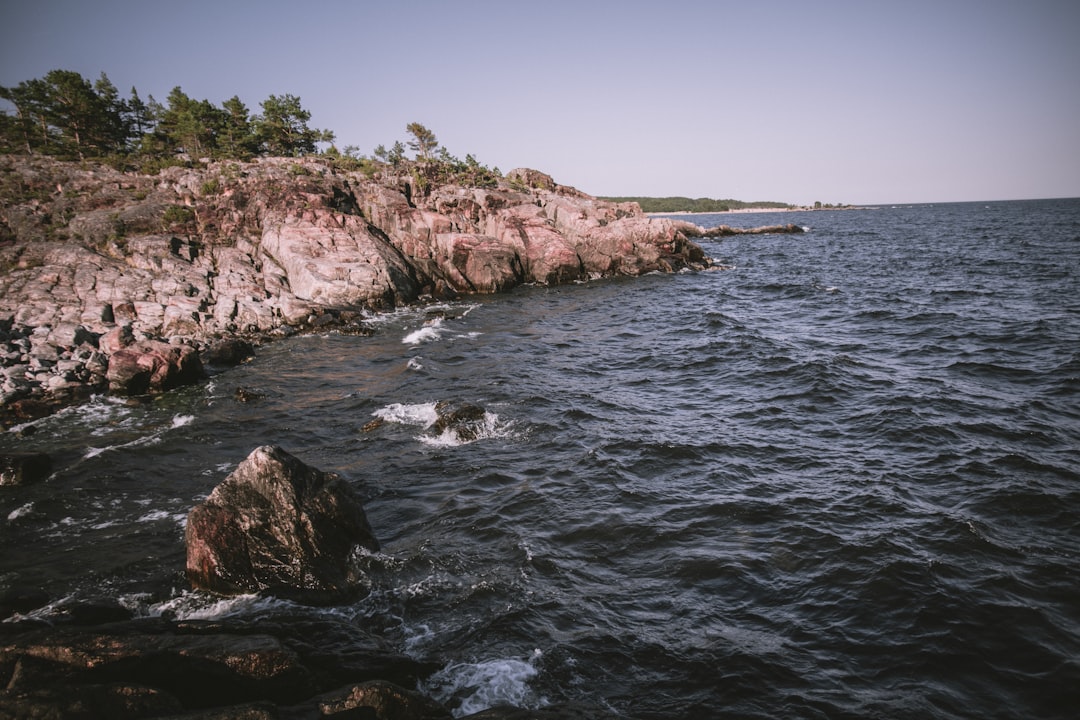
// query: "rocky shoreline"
[[131, 284], [94, 261]]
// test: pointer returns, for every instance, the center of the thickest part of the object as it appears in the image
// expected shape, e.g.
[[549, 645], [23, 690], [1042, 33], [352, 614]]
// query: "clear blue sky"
[[839, 101]]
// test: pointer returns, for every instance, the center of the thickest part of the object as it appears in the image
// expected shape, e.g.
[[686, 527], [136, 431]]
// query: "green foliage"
[[434, 165], [177, 216], [685, 204], [351, 160], [64, 114], [282, 128], [424, 143]]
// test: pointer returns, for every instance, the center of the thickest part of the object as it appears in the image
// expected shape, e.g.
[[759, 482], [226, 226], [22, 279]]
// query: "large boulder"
[[279, 526], [153, 366]]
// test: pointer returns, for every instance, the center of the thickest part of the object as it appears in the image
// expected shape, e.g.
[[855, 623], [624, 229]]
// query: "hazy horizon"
[[838, 102]]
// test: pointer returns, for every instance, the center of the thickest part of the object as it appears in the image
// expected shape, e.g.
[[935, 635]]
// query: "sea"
[[835, 476]]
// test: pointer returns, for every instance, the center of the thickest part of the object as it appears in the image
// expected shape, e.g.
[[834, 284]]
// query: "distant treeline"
[[705, 205]]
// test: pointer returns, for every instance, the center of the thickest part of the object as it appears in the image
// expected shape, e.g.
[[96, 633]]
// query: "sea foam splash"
[[432, 330], [425, 415], [195, 605], [469, 688]]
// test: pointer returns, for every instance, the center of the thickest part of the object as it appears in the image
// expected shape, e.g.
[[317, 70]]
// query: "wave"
[[432, 330], [195, 605], [422, 414], [468, 688], [178, 421]]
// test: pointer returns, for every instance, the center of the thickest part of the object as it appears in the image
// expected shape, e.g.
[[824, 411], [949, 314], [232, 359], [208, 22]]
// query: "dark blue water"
[[839, 478]]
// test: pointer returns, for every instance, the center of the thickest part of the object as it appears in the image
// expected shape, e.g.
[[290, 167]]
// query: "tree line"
[[702, 205], [66, 115]]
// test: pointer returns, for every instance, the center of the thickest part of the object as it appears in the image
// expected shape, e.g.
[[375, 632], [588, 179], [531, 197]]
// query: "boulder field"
[[101, 271]]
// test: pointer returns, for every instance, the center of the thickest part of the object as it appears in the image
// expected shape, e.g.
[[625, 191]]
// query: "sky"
[[834, 101]]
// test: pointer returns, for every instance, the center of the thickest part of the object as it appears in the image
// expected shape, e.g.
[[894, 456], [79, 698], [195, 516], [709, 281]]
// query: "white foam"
[[415, 364], [432, 330], [483, 685], [42, 613], [191, 605], [156, 515], [20, 511], [422, 414], [137, 442], [178, 421]]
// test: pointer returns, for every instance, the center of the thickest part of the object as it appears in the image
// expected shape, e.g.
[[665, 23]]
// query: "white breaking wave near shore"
[[178, 421]]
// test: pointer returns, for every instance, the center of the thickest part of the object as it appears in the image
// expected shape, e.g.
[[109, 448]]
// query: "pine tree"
[[283, 127], [423, 142], [238, 136]]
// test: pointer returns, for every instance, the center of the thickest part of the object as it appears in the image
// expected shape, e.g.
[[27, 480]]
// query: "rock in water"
[[24, 468], [153, 366], [277, 525]]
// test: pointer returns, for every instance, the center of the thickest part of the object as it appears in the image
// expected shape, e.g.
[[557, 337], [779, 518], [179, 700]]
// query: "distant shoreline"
[[754, 211], [738, 211]]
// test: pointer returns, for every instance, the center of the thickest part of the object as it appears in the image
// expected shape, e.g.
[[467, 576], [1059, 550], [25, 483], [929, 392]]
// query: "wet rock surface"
[[278, 526]]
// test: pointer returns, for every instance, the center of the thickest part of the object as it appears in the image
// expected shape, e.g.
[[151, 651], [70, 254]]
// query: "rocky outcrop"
[[279, 526], [93, 260]]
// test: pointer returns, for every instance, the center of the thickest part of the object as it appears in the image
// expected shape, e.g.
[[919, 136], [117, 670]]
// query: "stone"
[[466, 421], [383, 701], [227, 352], [116, 339], [152, 366], [279, 526], [24, 468], [21, 600], [71, 335], [279, 665]]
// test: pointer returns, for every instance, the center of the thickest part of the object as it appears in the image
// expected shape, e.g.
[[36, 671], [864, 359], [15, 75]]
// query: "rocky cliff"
[[264, 248]]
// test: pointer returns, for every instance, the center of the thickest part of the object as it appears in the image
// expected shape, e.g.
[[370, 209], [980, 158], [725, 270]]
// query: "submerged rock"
[[152, 667], [23, 468], [277, 525], [466, 421], [228, 352]]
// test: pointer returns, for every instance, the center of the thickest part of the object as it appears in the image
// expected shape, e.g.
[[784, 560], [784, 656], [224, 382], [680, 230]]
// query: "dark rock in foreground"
[[156, 668], [278, 526]]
